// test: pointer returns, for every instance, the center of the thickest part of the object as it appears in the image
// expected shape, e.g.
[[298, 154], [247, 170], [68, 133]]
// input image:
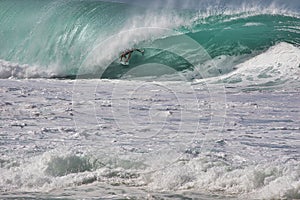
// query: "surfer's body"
[[127, 54]]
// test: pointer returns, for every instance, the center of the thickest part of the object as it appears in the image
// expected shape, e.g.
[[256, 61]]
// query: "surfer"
[[127, 54]]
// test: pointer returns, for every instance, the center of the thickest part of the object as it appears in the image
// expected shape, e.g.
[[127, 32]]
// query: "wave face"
[[58, 38]]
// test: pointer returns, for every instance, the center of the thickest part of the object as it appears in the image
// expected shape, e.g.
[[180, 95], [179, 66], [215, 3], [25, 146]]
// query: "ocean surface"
[[210, 111]]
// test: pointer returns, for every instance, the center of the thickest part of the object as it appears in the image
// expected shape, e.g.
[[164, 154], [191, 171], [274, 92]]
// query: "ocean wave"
[[62, 38], [277, 66]]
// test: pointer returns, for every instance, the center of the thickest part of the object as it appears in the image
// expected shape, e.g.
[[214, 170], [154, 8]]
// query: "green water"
[[61, 34]]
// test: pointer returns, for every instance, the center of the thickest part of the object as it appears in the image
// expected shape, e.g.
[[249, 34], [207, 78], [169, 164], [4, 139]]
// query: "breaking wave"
[[69, 39]]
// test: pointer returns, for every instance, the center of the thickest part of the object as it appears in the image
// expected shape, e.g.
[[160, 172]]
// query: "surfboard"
[[124, 63]]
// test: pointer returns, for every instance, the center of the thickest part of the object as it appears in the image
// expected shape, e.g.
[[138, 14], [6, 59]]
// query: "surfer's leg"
[[129, 55], [122, 56]]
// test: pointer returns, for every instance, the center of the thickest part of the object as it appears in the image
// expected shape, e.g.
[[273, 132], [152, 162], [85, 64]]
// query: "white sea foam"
[[260, 181], [255, 156], [16, 70], [279, 64], [276, 66], [206, 174], [253, 24]]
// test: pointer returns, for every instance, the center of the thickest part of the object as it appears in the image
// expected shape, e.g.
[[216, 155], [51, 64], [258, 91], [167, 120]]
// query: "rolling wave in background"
[[54, 39]]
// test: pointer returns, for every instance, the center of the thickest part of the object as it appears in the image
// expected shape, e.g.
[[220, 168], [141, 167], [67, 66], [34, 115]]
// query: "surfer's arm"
[[139, 50]]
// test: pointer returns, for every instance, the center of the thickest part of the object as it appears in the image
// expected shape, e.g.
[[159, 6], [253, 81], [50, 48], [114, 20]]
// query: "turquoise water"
[[59, 36]]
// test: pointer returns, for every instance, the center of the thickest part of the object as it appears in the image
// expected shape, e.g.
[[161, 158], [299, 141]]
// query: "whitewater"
[[210, 111]]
